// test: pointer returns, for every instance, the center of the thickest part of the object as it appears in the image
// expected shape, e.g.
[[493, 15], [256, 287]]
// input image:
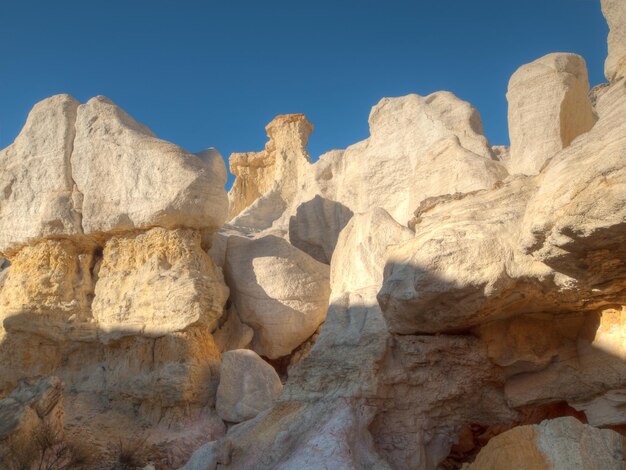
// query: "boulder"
[[129, 179], [278, 290], [558, 444], [156, 282], [463, 267], [38, 195], [248, 385], [549, 107], [615, 13]]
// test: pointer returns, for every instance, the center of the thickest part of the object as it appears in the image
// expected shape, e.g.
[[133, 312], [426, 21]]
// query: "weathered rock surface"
[[248, 385], [361, 252], [559, 444], [278, 290], [48, 291], [615, 13], [421, 294], [282, 166], [33, 404], [36, 185], [233, 334], [130, 179], [549, 107], [156, 282]]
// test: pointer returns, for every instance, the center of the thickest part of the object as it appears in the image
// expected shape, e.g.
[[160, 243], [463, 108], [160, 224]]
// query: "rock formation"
[[615, 14], [549, 107], [248, 385], [421, 299]]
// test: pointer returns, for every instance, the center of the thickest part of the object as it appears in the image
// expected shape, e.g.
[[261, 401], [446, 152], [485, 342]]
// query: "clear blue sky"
[[207, 73]]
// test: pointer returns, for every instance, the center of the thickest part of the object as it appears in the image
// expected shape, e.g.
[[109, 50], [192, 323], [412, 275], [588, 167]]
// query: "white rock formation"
[[418, 147], [423, 294], [36, 185], [248, 385], [130, 179], [278, 290], [549, 107], [361, 252], [615, 13]]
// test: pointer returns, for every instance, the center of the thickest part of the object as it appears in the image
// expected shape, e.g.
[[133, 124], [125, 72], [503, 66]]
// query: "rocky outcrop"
[[38, 194], [615, 13], [359, 258], [156, 282], [110, 167], [248, 385], [420, 299], [109, 287], [282, 166], [549, 107], [562, 443]]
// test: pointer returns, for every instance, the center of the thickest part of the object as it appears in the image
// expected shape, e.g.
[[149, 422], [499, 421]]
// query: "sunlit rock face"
[[615, 13], [549, 107], [36, 186], [107, 284], [421, 299]]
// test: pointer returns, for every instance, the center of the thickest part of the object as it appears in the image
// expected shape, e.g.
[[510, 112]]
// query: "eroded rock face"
[[615, 13], [419, 292], [48, 291], [282, 166], [278, 290], [130, 179], [33, 405], [156, 282], [36, 185], [549, 107], [561, 443], [248, 385], [107, 284]]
